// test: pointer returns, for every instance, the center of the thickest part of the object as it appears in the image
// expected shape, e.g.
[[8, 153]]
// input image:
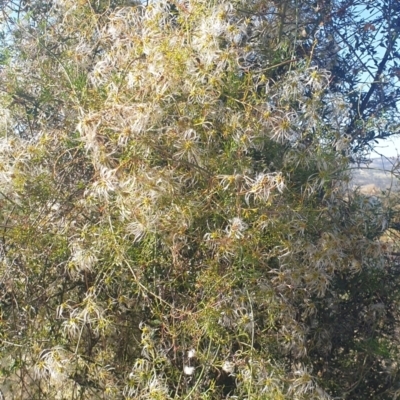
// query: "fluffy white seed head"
[[187, 370]]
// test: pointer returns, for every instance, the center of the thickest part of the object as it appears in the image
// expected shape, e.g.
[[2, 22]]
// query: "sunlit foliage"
[[176, 219]]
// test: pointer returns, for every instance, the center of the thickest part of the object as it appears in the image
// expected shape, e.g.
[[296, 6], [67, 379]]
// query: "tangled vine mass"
[[177, 220]]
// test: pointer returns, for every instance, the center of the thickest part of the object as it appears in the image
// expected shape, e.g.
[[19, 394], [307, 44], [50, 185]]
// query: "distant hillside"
[[380, 174]]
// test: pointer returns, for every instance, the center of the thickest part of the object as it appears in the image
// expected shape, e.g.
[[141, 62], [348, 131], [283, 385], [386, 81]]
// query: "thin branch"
[[381, 68]]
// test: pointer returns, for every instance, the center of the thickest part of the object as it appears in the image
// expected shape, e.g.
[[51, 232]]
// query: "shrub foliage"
[[175, 215]]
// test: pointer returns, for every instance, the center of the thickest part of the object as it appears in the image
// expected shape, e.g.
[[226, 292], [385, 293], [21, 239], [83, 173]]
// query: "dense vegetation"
[[176, 221]]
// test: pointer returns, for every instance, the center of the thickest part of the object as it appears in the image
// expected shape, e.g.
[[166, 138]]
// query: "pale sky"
[[389, 147]]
